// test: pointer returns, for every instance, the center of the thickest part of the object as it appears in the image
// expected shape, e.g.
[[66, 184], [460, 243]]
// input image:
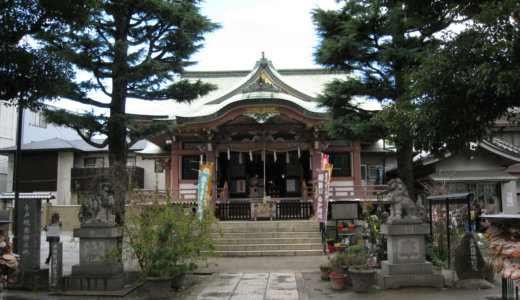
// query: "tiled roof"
[[57, 144], [504, 146]]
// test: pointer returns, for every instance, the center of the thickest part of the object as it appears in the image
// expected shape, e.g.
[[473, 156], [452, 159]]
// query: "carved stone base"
[[100, 265], [385, 281], [406, 265], [33, 279]]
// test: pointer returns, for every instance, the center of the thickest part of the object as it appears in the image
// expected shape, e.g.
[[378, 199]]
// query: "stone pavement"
[[249, 278], [251, 286]]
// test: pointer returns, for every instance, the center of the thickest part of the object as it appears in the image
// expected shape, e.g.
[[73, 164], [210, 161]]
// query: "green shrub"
[[167, 239]]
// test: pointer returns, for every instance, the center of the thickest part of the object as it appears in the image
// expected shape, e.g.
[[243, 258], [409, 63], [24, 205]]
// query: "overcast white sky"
[[283, 29]]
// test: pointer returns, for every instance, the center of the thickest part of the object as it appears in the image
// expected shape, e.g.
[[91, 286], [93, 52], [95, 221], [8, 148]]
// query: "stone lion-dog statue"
[[402, 207], [98, 208]]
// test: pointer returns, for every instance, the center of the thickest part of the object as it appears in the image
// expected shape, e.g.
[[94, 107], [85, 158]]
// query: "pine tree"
[[29, 75], [474, 79], [379, 42], [131, 49]]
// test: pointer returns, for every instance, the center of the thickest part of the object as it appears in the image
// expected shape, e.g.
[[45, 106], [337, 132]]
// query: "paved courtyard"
[[250, 278]]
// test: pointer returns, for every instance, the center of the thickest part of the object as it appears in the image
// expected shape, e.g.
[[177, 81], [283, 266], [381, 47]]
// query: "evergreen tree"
[[379, 42], [463, 87], [131, 49], [29, 75]]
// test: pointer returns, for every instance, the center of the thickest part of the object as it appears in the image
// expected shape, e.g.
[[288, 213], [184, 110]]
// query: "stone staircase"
[[268, 238]]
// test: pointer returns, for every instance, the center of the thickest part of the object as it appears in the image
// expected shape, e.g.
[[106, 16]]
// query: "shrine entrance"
[[244, 173]]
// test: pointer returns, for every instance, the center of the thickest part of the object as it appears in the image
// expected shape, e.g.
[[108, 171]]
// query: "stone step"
[[266, 229], [269, 247], [268, 238], [242, 241], [285, 223], [271, 253], [261, 235]]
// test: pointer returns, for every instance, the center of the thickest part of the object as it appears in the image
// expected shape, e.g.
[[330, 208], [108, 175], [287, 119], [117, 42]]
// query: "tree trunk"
[[117, 134], [405, 165]]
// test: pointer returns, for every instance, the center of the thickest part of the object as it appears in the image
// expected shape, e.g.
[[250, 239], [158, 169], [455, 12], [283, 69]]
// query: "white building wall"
[[151, 179], [7, 139], [36, 129], [65, 164], [468, 163]]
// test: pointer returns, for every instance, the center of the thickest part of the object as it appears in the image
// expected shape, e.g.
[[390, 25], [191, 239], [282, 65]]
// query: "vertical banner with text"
[[328, 167], [323, 195], [204, 187], [324, 161]]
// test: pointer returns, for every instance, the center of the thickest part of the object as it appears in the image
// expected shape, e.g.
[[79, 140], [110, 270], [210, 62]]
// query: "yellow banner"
[[328, 167]]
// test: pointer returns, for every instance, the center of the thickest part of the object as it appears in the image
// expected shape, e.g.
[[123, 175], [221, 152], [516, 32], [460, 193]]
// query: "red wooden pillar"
[[356, 165], [175, 172]]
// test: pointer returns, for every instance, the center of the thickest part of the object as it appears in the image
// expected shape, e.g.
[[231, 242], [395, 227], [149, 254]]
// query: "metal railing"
[[294, 209], [240, 210], [185, 195]]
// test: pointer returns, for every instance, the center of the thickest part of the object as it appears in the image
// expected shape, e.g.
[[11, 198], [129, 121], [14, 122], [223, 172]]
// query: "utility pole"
[[17, 159]]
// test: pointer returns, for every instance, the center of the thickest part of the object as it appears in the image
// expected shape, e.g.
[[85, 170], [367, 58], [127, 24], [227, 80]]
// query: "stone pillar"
[[28, 245], [56, 264], [406, 265]]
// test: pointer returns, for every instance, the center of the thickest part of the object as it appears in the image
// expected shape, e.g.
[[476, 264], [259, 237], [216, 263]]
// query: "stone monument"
[[27, 240], [100, 265], [469, 262], [406, 265]]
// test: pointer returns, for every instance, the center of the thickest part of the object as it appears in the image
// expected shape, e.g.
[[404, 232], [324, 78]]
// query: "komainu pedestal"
[[100, 267], [100, 264], [406, 265]]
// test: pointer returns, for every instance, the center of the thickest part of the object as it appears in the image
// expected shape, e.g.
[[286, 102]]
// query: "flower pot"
[[159, 287], [331, 248], [362, 279], [340, 249], [324, 272], [337, 281]]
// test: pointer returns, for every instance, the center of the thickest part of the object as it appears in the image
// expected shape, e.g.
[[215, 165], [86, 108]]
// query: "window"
[[363, 172], [483, 193], [341, 164], [38, 120], [190, 166], [94, 162], [158, 168]]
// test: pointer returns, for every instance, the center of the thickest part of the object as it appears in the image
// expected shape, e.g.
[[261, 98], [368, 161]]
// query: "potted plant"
[[362, 278], [324, 272], [166, 240], [337, 280], [339, 247], [353, 256], [359, 274]]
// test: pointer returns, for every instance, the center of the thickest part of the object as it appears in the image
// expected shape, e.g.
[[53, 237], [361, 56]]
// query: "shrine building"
[[263, 131]]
